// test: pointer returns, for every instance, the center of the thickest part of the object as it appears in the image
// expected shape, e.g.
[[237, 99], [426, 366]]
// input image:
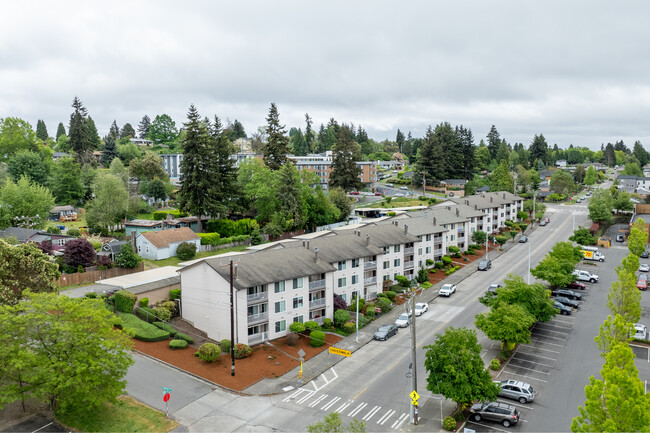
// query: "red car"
[[642, 284], [576, 286]]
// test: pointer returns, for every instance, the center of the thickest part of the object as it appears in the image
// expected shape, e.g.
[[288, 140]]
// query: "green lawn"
[[174, 261], [124, 415]]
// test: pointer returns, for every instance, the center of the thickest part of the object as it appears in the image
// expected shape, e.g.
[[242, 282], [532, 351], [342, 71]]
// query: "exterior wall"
[[157, 295], [172, 164], [171, 251], [348, 288], [138, 229]]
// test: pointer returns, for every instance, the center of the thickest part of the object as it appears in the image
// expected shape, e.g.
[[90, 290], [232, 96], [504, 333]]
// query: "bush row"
[[141, 330]]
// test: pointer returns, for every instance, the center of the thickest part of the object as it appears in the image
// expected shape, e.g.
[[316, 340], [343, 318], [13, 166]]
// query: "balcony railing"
[[409, 265], [318, 284], [408, 250], [370, 265], [319, 320], [258, 338], [256, 318], [370, 280], [259, 296], [437, 252], [317, 303]]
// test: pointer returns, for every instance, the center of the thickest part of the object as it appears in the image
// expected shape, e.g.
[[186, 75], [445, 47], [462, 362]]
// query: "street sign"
[[166, 397], [414, 398], [342, 352]]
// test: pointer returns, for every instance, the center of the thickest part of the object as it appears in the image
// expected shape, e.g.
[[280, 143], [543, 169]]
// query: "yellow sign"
[[341, 352], [414, 398]]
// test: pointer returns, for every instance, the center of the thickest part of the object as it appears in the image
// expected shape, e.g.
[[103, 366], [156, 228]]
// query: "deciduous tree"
[[583, 236], [590, 175], [163, 130], [127, 258], [508, 323], [79, 252], [612, 332], [66, 182], [16, 135], [624, 298], [638, 238], [27, 203], [109, 205], [29, 164], [600, 206], [501, 179]]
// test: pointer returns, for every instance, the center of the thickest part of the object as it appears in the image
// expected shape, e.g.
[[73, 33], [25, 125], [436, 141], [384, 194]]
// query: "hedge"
[[390, 294], [312, 325], [142, 330], [317, 338], [162, 214], [209, 238], [208, 352], [175, 294], [147, 314], [185, 337], [177, 344], [229, 228], [125, 301], [165, 327], [297, 327], [225, 345]]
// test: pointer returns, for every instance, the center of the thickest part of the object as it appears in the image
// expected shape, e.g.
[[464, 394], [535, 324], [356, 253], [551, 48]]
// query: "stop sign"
[[166, 397]]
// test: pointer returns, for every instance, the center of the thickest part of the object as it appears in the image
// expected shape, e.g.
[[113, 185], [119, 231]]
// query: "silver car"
[[516, 390]]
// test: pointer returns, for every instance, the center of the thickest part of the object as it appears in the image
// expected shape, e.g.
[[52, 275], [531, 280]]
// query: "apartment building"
[[172, 162], [321, 164], [497, 207]]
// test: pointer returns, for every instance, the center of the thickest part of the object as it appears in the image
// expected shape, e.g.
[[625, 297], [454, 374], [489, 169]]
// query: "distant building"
[[561, 163], [321, 164], [163, 244], [141, 142]]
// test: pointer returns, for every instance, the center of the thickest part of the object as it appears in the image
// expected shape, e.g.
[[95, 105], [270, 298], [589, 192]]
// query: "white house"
[[162, 244]]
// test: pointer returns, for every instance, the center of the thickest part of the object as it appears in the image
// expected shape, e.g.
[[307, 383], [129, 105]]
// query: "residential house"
[[62, 213], [111, 249], [162, 244], [23, 236], [453, 183], [561, 163]]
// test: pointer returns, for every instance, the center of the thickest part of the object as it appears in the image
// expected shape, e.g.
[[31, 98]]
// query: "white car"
[[641, 331], [403, 320], [644, 267], [399, 194], [421, 308], [447, 290], [405, 188]]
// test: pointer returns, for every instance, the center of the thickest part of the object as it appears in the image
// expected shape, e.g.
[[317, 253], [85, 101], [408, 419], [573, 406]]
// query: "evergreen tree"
[[298, 143], [277, 145], [81, 141], [493, 141], [114, 130], [345, 154], [468, 159], [93, 136], [609, 157], [501, 179], [538, 148], [290, 200], [399, 139], [127, 131], [60, 130], [236, 131], [310, 135], [430, 163], [640, 153], [65, 183], [143, 127], [222, 169], [452, 150], [110, 150], [41, 130]]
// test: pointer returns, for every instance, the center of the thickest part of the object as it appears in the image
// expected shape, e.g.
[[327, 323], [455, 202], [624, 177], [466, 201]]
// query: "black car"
[[484, 265], [645, 255], [385, 332], [567, 294], [566, 301], [563, 309]]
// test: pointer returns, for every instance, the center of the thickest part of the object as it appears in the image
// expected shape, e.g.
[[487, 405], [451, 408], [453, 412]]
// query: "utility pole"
[[357, 319], [424, 184], [232, 320], [413, 366]]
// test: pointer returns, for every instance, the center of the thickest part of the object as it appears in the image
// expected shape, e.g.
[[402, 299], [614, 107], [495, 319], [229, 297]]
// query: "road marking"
[[483, 425], [532, 369], [362, 391], [297, 393], [305, 398], [546, 342], [343, 406], [400, 421], [536, 356], [386, 416], [563, 321], [523, 406], [540, 348], [331, 403], [318, 400], [43, 427], [534, 362], [287, 388], [563, 328], [370, 414], [548, 336], [357, 409]]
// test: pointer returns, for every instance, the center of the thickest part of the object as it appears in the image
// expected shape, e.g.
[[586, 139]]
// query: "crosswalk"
[[347, 407]]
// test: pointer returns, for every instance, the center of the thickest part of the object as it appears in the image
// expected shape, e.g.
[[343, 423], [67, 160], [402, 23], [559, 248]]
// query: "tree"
[[339, 198], [513, 234], [579, 174], [609, 157], [508, 323], [15, 135], [276, 148], [163, 130], [109, 205], [27, 202], [157, 190], [290, 202], [501, 179], [117, 169], [222, 169], [24, 267], [638, 238], [66, 182], [60, 130], [623, 201], [562, 182], [29, 164], [128, 152], [456, 369], [479, 237], [600, 206], [538, 148], [640, 153], [310, 135], [110, 150], [632, 169], [81, 140], [149, 167], [590, 176], [333, 424], [583, 236], [345, 154], [41, 130], [256, 182], [127, 131], [79, 252], [234, 131], [127, 258], [431, 159], [297, 142], [493, 141], [143, 127], [624, 298], [76, 359], [114, 131], [467, 147], [613, 332], [553, 271], [618, 403], [533, 298]]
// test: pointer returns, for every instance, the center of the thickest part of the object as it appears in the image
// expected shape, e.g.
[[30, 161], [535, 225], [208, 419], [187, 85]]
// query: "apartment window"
[[297, 283], [397, 248], [341, 266], [355, 279], [279, 287], [428, 250], [344, 297], [341, 282], [355, 263], [281, 326], [453, 237], [280, 306], [419, 251], [428, 237], [298, 319], [386, 250], [297, 302], [420, 263], [453, 226], [386, 277], [396, 262]]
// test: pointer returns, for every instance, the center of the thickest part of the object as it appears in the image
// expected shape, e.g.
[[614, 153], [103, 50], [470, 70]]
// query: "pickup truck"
[[585, 276]]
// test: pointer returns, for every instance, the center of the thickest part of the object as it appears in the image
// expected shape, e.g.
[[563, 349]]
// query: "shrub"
[[466, 259], [74, 232], [297, 327], [208, 352], [384, 304], [177, 344], [144, 302], [140, 329], [349, 327], [209, 238], [495, 364], [169, 305], [225, 345], [390, 295], [186, 250], [453, 249], [185, 337], [125, 301], [91, 295], [163, 313], [311, 325], [381, 295], [403, 281], [327, 323], [446, 260], [175, 294], [340, 317], [439, 265], [430, 262], [364, 320], [449, 423], [317, 338], [370, 311], [166, 327], [353, 304], [339, 303], [147, 314], [292, 339], [426, 285], [242, 351]]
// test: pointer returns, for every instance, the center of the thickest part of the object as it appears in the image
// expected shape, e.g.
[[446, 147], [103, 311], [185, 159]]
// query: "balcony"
[[408, 250], [409, 265], [369, 281], [257, 297], [317, 303], [258, 318], [258, 338], [370, 265], [437, 252], [318, 284]]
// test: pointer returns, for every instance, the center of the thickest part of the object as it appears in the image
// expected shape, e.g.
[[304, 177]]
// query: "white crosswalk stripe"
[[386, 417], [357, 409], [370, 414], [400, 421], [318, 400], [331, 403], [343, 407]]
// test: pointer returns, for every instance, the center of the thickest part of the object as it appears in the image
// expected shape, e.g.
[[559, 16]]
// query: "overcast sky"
[[576, 71]]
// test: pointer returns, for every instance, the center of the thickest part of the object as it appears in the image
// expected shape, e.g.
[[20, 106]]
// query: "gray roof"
[[19, 233], [462, 181], [418, 224], [485, 188], [339, 247], [383, 235]]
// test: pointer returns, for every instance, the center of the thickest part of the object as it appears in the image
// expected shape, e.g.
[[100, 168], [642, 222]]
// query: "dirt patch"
[[265, 361]]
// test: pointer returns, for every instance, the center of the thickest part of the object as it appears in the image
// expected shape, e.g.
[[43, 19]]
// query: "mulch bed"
[[265, 361], [478, 254]]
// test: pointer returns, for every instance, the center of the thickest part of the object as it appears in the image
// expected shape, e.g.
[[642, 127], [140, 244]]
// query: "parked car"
[[447, 290], [492, 289], [563, 309], [547, 220], [576, 286], [403, 320], [543, 223], [516, 390], [484, 265], [645, 255], [405, 188], [566, 301], [620, 238], [642, 284], [399, 194], [640, 331], [567, 294], [523, 239], [644, 267], [354, 192], [503, 413], [390, 185], [421, 308], [585, 276], [385, 332], [643, 276]]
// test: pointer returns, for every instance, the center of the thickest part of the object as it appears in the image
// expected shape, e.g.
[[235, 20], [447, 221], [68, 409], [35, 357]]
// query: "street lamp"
[[528, 261]]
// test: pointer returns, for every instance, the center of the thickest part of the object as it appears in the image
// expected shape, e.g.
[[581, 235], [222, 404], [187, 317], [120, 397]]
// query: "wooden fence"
[[95, 275]]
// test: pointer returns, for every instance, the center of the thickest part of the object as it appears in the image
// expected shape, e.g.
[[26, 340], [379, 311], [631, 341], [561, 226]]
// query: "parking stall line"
[[318, 400], [529, 377], [557, 329], [331, 403], [370, 414], [519, 405], [554, 325], [357, 409], [386, 417], [548, 336], [561, 321], [536, 363], [536, 356], [531, 369], [546, 342], [483, 425], [400, 421], [541, 348]]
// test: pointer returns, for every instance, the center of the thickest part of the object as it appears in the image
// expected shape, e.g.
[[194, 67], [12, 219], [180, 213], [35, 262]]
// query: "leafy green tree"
[[501, 179], [127, 131], [149, 167], [590, 176], [16, 135], [290, 201], [479, 237], [27, 203], [468, 149], [255, 179], [163, 130], [508, 323], [110, 150], [117, 169], [600, 206], [638, 238], [60, 130], [24, 267], [568, 254], [143, 127], [456, 369], [64, 364], [482, 157], [79, 252], [531, 297], [127, 258], [579, 174], [29, 164], [156, 189], [276, 148], [333, 424], [109, 205], [92, 134], [513, 234], [562, 182], [66, 182], [41, 130], [618, 403], [624, 298], [345, 154], [640, 153], [623, 201], [632, 169], [612, 332], [583, 236], [128, 152], [234, 131], [553, 271], [339, 198]]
